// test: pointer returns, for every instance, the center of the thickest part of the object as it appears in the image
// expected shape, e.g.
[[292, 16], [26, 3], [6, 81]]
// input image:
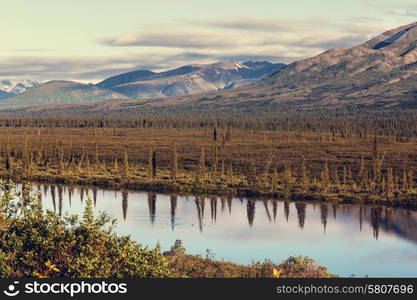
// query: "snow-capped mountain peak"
[[17, 86], [240, 66]]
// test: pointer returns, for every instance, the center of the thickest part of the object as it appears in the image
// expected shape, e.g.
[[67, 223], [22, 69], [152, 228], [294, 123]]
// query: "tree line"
[[398, 124]]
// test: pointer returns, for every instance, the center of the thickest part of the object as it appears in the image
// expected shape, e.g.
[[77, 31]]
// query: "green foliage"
[[195, 266], [88, 217], [177, 249], [33, 243], [302, 266], [44, 244]]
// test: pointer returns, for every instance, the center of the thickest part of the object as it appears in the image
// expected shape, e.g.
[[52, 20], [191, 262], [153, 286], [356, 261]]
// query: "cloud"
[[203, 45], [340, 33], [176, 38], [76, 68], [94, 69], [207, 40], [305, 37], [294, 26], [249, 24], [394, 9], [32, 50], [247, 57], [404, 12], [325, 41], [160, 47]]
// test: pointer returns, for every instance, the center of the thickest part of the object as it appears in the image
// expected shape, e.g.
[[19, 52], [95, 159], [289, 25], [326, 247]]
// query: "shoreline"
[[182, 188]]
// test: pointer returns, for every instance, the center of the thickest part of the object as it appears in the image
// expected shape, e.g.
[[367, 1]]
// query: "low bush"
[[31, 239], [35, 243]]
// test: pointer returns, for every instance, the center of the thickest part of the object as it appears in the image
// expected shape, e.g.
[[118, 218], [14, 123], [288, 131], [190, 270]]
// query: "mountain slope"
[[383, 69], [60, 92], [6, 95], [191, 79], [11, 88], [380, 73]]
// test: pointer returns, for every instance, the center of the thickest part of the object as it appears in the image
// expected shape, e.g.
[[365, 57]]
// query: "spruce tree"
[[376, 164], [116, 165], [174, 162], [202, 165], [126, 163], [222, 168], [389, 183], [229, 174], [325, 176], [215, 132], [336, 177], [274, 180], [88, 216], [228, 134], [82, 158], [96, 156], [215, 156], [304, 176], [154, 162]]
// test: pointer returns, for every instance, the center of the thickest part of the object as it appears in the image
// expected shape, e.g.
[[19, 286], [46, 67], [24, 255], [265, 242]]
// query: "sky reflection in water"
[[373, 241]]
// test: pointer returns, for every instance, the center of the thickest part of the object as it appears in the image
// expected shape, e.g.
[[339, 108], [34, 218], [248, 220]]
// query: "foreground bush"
[[33, 243], [196, 266], [44, 244]]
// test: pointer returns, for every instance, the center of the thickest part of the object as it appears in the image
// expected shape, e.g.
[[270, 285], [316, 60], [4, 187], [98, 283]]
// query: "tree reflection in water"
[[174, 200], [125, 196], [301, 213], [394, 220], [152, 207]]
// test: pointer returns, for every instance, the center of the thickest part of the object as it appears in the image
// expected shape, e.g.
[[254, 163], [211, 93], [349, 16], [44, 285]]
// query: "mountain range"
[[11, 88], [183, 81], [61, 92], [380, 73], [188, 80]]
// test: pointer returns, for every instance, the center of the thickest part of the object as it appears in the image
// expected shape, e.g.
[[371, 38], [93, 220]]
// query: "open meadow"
[[345, 163]]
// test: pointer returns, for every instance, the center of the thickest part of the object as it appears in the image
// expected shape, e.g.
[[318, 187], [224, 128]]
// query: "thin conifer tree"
[[174, 162], [325, 177], [202, 167], [126, 163], [304, 176], [116, 165]]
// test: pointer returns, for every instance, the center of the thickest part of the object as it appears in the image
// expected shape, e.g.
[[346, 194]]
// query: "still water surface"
[[348, 239]]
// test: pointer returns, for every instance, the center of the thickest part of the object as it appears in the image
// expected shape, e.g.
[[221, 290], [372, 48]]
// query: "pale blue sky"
[[90, 40]]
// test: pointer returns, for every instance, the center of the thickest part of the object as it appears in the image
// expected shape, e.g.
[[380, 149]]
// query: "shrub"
[[302, 267], [31, 239], [196, 266], [44, 244], [176, 250]]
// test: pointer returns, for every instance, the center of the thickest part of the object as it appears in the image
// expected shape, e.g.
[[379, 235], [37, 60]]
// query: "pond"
[[349, 239]]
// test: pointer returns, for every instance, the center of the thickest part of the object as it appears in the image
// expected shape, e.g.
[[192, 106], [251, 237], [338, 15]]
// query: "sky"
[[88, 41]]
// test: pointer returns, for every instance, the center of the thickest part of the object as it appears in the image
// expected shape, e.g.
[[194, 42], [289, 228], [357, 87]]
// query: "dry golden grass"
[[251, 163], [244, 149]]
